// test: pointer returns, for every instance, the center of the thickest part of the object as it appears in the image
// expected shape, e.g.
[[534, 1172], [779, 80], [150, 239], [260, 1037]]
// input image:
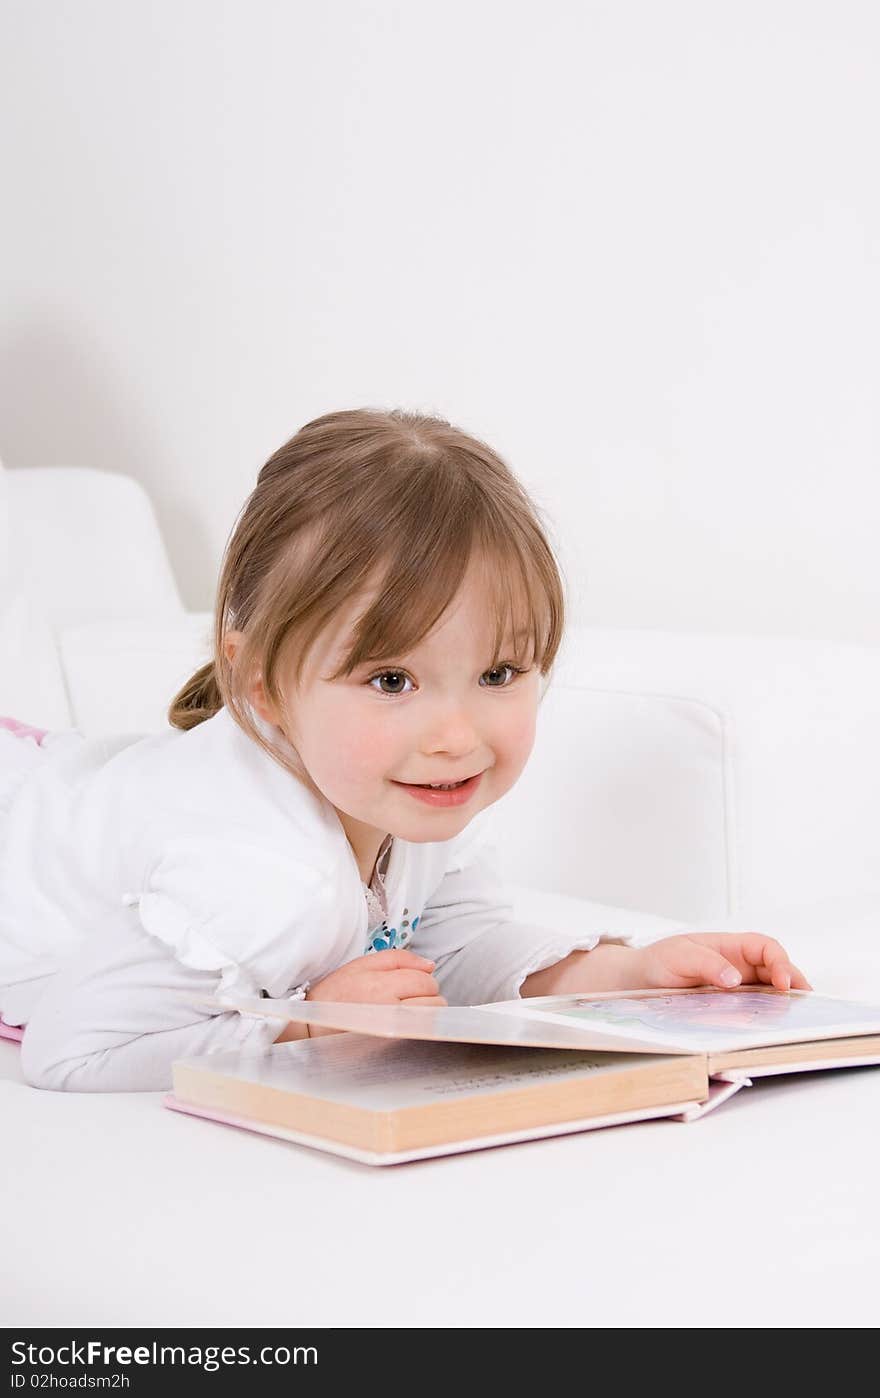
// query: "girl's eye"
[[393, 675], [399, 678], [499, 669]]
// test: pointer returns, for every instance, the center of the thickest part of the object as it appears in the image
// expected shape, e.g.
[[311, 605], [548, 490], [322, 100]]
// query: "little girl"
[[313, 823]]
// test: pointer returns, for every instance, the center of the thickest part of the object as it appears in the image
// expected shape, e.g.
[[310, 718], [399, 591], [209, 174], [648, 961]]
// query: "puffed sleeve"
[[468, 927], [214, 917], [263, 919]]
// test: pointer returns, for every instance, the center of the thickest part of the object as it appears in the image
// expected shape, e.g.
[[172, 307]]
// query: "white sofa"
[[678, 781]]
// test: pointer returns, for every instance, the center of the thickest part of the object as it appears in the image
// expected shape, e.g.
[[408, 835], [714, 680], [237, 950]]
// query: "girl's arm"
[[217, 903], [606, 967], [725, 959], [116, 1015], [483, 953]]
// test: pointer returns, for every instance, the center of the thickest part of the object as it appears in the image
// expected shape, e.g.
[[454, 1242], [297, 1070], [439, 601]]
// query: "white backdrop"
[[632, 244]]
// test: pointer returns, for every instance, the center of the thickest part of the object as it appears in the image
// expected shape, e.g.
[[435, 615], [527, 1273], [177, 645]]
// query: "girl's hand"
[[382, 978], [725, 959]]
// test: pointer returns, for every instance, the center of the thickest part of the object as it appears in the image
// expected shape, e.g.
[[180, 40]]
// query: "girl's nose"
[[455, 735]]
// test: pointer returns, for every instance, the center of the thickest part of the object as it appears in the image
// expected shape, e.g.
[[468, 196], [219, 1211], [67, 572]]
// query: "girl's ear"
[[231, 643], [256, 694], [260, 702]]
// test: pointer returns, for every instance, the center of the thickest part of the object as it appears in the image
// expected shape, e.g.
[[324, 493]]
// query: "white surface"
[[765, 1213]]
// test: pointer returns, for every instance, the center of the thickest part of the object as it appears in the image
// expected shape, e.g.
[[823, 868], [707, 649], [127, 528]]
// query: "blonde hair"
[[352, 496]]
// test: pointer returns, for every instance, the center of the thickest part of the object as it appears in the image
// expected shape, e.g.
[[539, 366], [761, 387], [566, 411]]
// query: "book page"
[[702, 1020], [706, 1020], [378, 1075], [451, 1023]]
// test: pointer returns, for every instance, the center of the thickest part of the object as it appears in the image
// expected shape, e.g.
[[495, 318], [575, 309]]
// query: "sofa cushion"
[[85, 544], [32, 686], [122, 675]]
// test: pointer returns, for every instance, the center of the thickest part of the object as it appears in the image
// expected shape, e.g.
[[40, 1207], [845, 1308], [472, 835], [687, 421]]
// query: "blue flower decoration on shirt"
[[385, 938]]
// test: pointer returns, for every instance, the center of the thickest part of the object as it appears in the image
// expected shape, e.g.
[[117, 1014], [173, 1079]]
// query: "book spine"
[[721, 1086]]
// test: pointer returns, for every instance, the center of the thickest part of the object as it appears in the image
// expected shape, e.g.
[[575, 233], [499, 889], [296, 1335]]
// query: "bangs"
[[415, 592]]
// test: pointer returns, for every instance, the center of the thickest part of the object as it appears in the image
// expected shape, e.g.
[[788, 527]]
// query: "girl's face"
[[438, 714]]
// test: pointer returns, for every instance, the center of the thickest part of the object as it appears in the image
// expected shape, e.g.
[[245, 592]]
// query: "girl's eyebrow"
[[393, 657]]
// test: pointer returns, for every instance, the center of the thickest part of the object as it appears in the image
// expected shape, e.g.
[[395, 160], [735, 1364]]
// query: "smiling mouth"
[[442, 786]]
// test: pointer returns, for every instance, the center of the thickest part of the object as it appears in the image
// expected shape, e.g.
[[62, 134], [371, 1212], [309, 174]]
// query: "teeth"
[[444, 786]]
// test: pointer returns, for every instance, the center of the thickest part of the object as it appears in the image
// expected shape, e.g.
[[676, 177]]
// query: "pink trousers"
[[23, 730]]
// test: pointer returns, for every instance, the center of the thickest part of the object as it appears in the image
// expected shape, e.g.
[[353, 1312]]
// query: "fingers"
[[690, 961], [771, 963], [379, 978], [799, 980], [728, 959], [406, 985], [396, 958], [406, 977]]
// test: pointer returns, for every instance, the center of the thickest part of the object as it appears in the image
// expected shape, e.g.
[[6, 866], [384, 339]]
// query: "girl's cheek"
[[519, 734], [363, 750]]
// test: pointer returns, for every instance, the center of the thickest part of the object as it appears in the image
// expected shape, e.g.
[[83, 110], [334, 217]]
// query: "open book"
[[404, 1083]]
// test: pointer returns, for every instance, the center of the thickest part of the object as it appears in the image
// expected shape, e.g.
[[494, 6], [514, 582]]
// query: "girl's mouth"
[[454, 795]]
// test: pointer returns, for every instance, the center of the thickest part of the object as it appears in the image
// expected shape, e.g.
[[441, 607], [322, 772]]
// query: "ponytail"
[[198, 700]]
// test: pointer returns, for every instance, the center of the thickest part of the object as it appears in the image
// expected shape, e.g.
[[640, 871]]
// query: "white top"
[[136, 872]]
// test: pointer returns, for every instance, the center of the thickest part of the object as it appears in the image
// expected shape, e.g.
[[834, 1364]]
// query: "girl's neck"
[[366, 843]]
